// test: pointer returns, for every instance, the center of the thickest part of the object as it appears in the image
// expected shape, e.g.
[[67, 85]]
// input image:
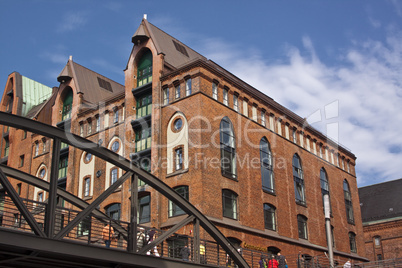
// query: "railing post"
[[196, 241], [132, 235], [50, 218]]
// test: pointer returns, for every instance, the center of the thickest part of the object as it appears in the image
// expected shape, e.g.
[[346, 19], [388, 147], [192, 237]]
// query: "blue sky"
[[337, 63]]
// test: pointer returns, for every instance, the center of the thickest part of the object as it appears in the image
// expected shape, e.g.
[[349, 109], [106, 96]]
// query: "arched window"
[[175, 210], [302, 226], [269, 217], [229, 204], [113, 211], [348, 202], [298, 180], [144, 69], [324, 185], [267, 174], [228, 149], [67, 105], [352, 242], [144, 209]]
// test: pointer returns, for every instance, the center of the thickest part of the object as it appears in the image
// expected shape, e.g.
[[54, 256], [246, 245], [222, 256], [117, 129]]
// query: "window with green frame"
[[144, 105], [67, 106], [144, 73], [63, 164], [6, 146], [142, 139]]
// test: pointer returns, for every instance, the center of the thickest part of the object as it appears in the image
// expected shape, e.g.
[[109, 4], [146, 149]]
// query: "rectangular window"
[[188, 87], [113, 176], [116, 116], [302, 226], [63, 164], [40, 197], [215, 91], [254, 113], [36, 149], [271, 122], [175, 210], [19, 187], [166, 96], [294, 135], [87, 186], [144, 209], [97, 128], [142, 139], [6, 146], [225, 96], [44, 145], [263, 118], [179, 158], [177, 92], [245, 107], [22, 160], [81, 129], [301, 138], [89, 127], [84, 227], [144, 105], [236, 103]]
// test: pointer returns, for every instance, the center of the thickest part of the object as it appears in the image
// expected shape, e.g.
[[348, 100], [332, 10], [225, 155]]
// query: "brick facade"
[[204, 177]]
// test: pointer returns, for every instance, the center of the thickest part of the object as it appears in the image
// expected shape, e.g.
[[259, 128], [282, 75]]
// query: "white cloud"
[[367, 85], [72, 21]]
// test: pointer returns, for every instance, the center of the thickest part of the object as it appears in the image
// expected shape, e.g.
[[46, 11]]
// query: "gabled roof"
[[381, 201], [176, 53], [94, 87]]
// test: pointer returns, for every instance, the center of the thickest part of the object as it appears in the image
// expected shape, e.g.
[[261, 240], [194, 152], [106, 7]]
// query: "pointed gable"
[[176, 53], [94, 87]]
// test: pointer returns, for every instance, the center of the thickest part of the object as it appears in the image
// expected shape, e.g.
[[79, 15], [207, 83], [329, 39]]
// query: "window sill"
[[303, 204], [177, 172], [230, 177], [87, 198], [269, 192]]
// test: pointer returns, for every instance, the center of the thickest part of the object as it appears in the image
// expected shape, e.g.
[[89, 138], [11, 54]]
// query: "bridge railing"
[[91, 231]]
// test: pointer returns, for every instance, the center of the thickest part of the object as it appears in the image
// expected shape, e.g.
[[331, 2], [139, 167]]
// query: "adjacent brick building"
[[255, 168], [382, 219]]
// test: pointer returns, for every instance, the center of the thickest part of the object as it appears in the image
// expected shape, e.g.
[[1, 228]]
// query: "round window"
[[42, 173], [88, 157], [178, 124], [115, 146]]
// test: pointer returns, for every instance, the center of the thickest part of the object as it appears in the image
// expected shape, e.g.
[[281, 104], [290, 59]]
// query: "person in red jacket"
[[272, 263]]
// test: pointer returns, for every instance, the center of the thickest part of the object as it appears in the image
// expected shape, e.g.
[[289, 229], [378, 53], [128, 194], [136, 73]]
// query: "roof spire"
[[145, 16]]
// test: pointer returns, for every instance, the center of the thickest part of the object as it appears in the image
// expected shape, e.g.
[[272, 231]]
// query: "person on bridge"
[[108, 235], [282, 263]]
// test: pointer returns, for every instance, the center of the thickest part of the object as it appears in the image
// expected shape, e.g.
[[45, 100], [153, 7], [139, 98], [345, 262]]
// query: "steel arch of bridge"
[[131, 171]]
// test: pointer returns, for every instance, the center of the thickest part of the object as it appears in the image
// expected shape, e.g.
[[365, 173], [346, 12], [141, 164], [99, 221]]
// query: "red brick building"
[[382, 219], [256, 169]]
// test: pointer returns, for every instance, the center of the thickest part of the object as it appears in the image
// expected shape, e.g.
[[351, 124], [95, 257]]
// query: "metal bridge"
[[39, 234]]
